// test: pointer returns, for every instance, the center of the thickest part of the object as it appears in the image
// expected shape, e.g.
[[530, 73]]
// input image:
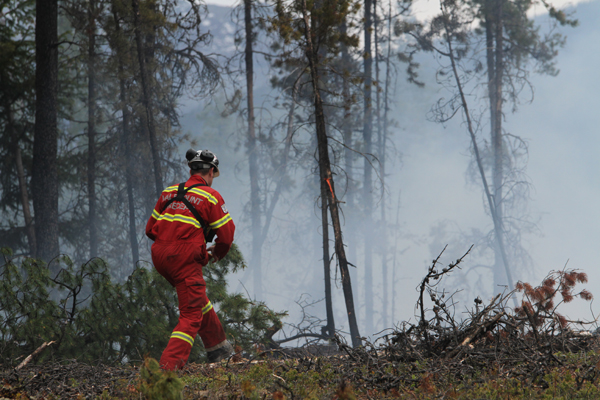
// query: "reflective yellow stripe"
[[202, 193], [155, 214], [197, 191], [221, 222], [183, 336], [180, 218], [207, 308]]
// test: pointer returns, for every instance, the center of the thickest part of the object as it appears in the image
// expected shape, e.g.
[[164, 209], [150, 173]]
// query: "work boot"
[[224, 350]]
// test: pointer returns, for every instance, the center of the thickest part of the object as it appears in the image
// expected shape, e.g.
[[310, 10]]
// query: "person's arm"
[[153, 218], [220, 221]]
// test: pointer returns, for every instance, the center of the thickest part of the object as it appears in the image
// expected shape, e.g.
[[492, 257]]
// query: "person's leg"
[[191, 294], [213, 336]]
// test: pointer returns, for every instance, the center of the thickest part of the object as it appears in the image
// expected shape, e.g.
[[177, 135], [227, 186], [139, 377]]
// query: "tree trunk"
[[367, 183], [253, 155], [330, 328], [45, 141], [494, 58], [126, 145], [326, 176], [497, 138], [91, 173], [29, 228], [381, 142], [150, 124], [346, 128]]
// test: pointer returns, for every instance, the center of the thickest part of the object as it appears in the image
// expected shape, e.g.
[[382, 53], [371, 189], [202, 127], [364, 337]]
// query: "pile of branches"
[[517, 342]]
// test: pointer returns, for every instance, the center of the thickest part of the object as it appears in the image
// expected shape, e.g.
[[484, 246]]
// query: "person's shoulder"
[[214, 192], [171, 188]]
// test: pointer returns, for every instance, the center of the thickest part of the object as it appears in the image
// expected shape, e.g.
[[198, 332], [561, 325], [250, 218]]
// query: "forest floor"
[[526, 350], [481, 370]]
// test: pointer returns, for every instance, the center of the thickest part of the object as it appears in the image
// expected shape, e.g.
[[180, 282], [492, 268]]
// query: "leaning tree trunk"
[[252, 155], [44, 181], [146, 98], [91, 173], [327, 177], [367, 183]]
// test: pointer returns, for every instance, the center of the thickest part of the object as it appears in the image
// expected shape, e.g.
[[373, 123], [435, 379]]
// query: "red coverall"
[[179, 253]]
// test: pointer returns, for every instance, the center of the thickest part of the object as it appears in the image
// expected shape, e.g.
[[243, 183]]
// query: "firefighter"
[[184, 218]]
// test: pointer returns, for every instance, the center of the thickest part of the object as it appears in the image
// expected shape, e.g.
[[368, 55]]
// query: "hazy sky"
[[423, 9]]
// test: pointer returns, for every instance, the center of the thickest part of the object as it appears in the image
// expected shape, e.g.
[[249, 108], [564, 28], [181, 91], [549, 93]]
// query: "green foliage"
[[156, 384], [92, 318]]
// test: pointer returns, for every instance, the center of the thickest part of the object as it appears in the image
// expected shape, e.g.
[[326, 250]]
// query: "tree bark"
[[91, 172], [326, 176], [253, 155], [45, 141], [367, 183], [145, 78]]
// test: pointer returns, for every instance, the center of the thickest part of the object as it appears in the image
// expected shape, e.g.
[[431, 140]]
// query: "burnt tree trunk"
[[327, 177], [329, 330], [44, 181]]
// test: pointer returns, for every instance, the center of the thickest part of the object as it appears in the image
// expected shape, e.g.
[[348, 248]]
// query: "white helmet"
[[202, 159]]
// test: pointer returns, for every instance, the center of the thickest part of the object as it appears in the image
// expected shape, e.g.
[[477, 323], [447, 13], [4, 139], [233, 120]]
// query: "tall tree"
[[252, 153], [514, 47], [142, 52], [91, 173], [45, 146], [367, 197], [119, 45], [316, 31]]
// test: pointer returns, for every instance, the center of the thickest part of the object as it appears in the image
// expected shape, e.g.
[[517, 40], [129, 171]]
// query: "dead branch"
[[30, 357]]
